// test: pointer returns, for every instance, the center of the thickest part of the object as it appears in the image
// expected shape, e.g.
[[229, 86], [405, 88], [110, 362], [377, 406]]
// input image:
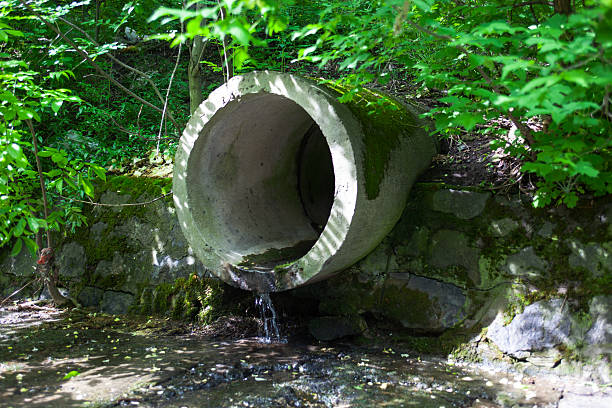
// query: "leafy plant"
[[492, 59], [26, 98]]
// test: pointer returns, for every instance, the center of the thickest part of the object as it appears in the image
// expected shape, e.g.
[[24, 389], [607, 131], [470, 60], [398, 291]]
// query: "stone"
[[111, 197], [423, 304], [72, 260], [116, 302], [600, 309], [595, 258], [379, 262], [542, 325], [525, 263], [90, 296], [24, 264], [451, 248], [548, 358], [417, 245], [503, 227], [45, 295], [547, 229], [462, 204], [572, 400], [141, 233], [97, 230], [329, 328]]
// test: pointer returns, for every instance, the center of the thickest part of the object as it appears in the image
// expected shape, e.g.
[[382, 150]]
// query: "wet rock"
[[542, 325], [595, 258], [503, 227], [462, 204], [452, 248], [601, 312], [328, 328], [72, 260], [526, 263], [116, 302], [90, 296]]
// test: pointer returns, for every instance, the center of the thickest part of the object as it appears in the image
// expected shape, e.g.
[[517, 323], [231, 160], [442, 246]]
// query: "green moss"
[[138, 189], [275, 256], [192, 299], [406, 306], [385, 123]]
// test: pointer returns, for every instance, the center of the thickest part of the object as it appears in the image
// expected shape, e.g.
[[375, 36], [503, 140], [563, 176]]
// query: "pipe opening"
[[261, 182]]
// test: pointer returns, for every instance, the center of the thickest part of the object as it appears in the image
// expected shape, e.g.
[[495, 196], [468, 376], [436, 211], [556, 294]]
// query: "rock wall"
[[124, 252], [538, 281]]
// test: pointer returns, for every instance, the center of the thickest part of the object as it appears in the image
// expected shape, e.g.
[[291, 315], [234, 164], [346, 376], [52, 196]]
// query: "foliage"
[[547, 73], [492, 59], [235, 19], [28, 96]]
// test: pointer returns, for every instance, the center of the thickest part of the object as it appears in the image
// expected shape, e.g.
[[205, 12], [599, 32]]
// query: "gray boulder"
[[601, 312], [116, 302], [462, 204], [542, 325]]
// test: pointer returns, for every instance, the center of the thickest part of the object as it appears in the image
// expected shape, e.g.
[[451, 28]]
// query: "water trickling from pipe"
[[268, 316]]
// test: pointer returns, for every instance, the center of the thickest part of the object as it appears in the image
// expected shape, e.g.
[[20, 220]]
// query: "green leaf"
[[239, 32], [20, 227], [70, 375], [17, 247], [34, 223], [56, 105], [59, 159], [87, 186], [31, 245], [468, 120], [586, 168], [100, 171], [16, 152], [577, 76]]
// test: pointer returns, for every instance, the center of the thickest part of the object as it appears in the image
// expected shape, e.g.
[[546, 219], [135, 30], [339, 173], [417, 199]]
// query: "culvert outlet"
[[277, 184]]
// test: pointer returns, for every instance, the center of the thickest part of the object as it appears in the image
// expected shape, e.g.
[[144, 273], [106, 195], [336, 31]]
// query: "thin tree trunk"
[[97, 37], [227, 59], [563, 6], [194, 72], [46, 259]]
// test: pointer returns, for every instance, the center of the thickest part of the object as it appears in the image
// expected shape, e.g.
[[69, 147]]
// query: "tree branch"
[[86, 57], [525, 131], [161, 197], [126, 66]]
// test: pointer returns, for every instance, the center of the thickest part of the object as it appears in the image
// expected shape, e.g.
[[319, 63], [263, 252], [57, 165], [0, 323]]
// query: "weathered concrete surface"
[[252, 179]]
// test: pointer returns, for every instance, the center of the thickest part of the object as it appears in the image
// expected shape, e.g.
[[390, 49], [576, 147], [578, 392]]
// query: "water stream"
[[268, 316], [58, 359]]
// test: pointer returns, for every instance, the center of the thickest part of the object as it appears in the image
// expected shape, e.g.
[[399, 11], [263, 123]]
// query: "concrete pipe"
[[277, 184]]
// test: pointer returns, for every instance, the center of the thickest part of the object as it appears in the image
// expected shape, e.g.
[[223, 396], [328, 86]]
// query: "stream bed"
[[51, 358]]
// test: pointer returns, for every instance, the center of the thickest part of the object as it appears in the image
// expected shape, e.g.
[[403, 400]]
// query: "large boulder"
[[542, 325]]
